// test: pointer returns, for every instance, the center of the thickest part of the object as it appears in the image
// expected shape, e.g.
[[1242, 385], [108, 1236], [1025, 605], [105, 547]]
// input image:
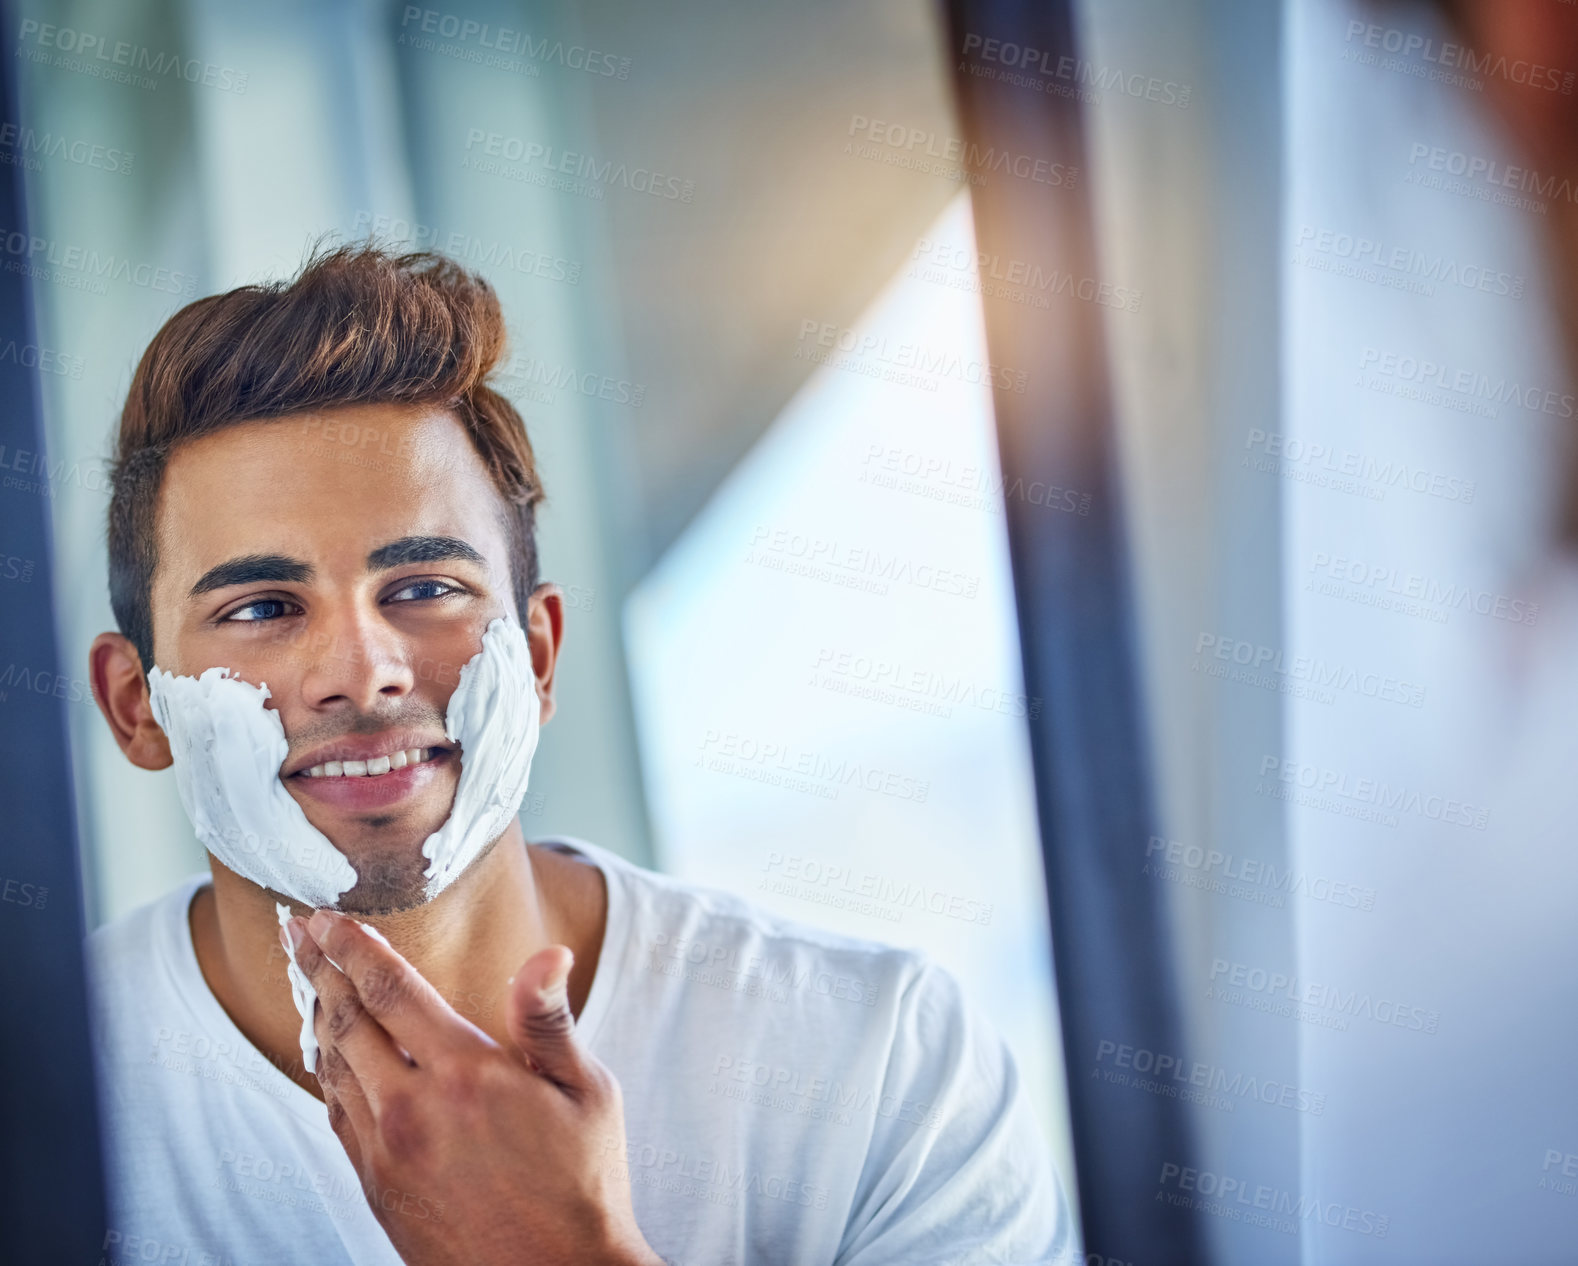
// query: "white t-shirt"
[[791, 1096]]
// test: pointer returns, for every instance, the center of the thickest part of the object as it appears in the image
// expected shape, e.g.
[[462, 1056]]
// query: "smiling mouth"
[[375, 767]]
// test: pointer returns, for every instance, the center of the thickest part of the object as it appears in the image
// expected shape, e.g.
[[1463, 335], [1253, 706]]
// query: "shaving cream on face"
[[228, 749], [494, 716]]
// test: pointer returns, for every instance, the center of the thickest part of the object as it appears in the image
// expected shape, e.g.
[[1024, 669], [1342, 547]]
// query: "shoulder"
[[862, 1069], [704, 958], [706, 936], [133, 953], [136, 931]]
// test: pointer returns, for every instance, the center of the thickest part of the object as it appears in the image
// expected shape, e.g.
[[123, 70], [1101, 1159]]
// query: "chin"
[[385, 888], [390, 882], [390, 876]]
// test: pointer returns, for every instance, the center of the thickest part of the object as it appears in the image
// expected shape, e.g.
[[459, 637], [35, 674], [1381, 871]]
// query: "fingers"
[[539, 1022], [350, 1112], [403, 1006], [351, 1042]]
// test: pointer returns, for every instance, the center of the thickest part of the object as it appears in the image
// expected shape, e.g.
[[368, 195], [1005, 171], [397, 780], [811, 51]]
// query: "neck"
[[467, 942]]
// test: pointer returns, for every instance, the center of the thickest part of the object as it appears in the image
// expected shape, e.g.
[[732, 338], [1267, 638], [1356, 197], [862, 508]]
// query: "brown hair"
[[357, 325]]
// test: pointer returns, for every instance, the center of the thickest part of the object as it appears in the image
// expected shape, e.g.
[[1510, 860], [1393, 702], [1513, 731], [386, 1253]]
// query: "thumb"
[[538, 1019]]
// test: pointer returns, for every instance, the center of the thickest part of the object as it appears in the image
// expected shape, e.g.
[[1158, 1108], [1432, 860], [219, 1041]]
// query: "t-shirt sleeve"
[[958, 1172]]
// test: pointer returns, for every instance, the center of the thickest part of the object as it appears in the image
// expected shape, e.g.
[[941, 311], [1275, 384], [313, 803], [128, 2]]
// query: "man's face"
[[351, 560]]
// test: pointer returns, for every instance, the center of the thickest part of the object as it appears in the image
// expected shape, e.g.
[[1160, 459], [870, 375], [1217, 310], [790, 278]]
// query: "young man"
[[524, 1052]]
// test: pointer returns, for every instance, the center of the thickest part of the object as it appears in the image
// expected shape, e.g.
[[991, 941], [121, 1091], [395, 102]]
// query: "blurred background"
[[770, 332]]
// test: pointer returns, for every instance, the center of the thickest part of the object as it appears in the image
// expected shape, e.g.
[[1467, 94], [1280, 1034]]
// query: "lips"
[[359, 755], [373, 767], [367, 791], [372, 771]]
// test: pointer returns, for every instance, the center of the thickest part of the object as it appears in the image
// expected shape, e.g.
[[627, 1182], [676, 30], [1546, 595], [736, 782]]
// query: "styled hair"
[[358, 325]]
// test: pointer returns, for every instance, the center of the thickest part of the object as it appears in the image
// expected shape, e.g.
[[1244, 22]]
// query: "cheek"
[[438, 659]]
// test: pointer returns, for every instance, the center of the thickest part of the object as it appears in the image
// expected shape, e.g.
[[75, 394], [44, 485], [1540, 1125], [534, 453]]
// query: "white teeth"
[[371, 768]]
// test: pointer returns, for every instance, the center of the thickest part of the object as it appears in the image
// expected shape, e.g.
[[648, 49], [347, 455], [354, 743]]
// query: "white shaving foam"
[[228, 749], [494, 715], [302, 994]]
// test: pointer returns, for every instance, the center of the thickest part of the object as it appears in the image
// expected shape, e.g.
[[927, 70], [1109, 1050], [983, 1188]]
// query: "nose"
[[353, 656]]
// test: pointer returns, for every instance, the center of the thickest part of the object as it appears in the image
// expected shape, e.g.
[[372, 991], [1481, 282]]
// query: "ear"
[[121, 691], [544, 634]]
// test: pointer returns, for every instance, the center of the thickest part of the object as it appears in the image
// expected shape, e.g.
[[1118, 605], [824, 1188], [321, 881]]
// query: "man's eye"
[[419, 589], [262, 609]]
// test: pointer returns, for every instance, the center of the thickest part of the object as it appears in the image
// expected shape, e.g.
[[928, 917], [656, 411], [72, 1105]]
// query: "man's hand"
[[469, 1151]]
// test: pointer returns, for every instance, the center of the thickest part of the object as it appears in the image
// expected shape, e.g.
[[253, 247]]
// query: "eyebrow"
[[254, 569], [250, 570], [421, 549]]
